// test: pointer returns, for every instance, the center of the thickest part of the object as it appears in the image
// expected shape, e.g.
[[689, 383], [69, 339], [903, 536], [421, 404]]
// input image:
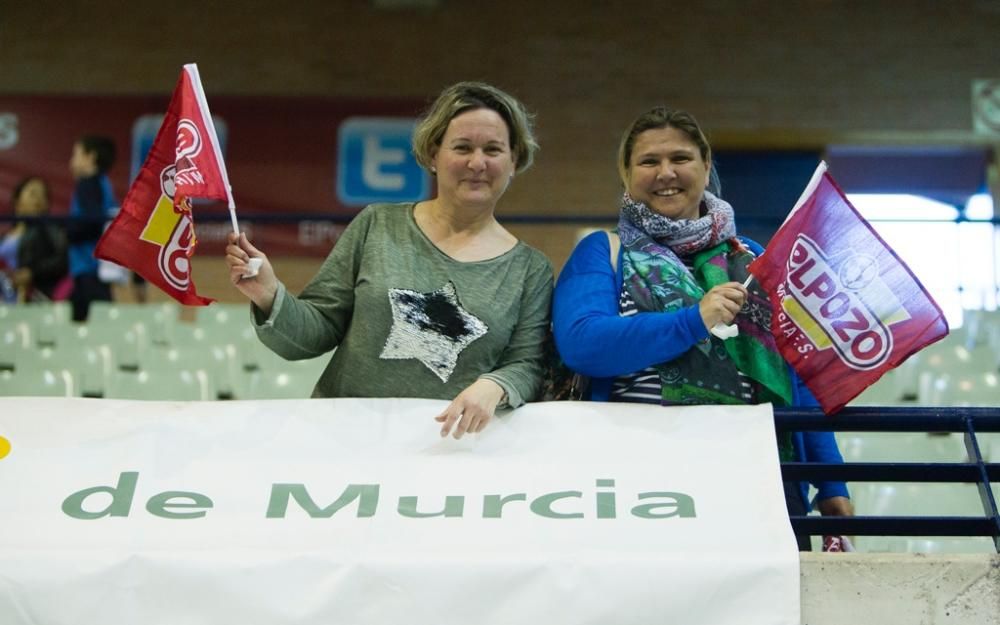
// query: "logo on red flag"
[[171, 229], [187, 147], [153, 233], [847, 309], [826, 300]]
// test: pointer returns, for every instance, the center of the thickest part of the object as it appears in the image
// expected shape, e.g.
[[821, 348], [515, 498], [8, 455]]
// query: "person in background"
[[92, 205], [638, 320], [34, 250], [430, 299]]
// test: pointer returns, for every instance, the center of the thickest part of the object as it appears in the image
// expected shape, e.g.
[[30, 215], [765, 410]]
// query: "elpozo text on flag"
[[845, 308]]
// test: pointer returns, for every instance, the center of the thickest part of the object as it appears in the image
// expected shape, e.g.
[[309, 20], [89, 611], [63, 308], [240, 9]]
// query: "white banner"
[[355, 511]]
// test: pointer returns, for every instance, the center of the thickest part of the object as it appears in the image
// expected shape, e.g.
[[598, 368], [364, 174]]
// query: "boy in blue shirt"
[[92, 205]]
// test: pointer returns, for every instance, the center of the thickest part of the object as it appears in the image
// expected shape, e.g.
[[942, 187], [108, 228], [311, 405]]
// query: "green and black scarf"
[[659, 281]]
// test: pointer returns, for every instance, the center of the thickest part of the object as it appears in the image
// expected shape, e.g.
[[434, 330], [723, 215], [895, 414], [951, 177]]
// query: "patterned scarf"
[[659, 281]]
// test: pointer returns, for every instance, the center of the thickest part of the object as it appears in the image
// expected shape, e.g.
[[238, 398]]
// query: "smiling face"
[[474, 163], [667, 173]]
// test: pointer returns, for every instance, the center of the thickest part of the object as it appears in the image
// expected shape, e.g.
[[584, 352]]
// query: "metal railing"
[[967, 421]]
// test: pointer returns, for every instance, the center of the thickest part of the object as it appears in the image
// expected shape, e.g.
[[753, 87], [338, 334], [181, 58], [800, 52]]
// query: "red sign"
[[281, 154]]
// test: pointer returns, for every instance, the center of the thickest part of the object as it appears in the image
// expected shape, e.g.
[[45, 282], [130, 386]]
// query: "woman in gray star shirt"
[[430, 299]]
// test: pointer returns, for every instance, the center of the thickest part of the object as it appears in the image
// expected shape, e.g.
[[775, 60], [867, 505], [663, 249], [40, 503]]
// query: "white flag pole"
[[253, 266], [728, 331], [206, 116], [808, 191]]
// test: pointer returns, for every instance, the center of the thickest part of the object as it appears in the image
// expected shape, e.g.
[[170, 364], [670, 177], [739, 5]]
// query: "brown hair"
[[655, 118], [468, 96]]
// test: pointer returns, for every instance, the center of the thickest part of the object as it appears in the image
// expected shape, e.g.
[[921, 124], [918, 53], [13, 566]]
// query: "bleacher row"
[[962, 369], [917, 499], [136, 351], [147, 352]]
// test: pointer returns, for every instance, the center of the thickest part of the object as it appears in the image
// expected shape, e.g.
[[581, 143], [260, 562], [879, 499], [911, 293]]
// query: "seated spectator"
[[35, 250]]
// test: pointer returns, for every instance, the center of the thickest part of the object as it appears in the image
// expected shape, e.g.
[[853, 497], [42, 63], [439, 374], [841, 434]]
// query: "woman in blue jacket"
[[634, 313]]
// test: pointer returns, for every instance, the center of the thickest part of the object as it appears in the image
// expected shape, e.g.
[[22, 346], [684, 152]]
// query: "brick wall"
[[758, 74]]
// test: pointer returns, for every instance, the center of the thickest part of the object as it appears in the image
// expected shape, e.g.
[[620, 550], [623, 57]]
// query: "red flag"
[[846, 308], [153, 234]]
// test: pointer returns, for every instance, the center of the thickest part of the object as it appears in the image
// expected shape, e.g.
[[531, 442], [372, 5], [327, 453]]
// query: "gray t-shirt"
[[409, 321]]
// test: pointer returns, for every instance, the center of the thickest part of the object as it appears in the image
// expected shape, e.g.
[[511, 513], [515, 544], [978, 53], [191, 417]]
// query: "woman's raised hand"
[[261, 288], [721, 303]]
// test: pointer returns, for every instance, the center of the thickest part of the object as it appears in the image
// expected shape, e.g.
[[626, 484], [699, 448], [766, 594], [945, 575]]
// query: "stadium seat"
[[916, 499], [90, 365], [164, 385], [127, 344], [962, 386], [980, 328], [156, 320], [14, 333], [989, 446], [37, 383], [287, 380], [905, 378], [102, 313], [36, 322], [901, 447], [228, 323], [885, 392], [218, 361], [912, 378], [14, 339], [28, 312], [222, 314], [237, 338]]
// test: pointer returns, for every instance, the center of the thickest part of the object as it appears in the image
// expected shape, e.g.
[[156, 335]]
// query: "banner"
[[153, 234], [310, 161], [356, 511], [846, 308]]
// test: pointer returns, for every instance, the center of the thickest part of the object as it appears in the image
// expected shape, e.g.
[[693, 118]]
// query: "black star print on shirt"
[[431, 327]]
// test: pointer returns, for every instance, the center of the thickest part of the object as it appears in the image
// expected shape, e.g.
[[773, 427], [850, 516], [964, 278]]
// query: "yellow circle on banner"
[[4, 447]]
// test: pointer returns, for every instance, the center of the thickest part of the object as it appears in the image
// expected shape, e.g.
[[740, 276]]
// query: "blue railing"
[[967, 421]]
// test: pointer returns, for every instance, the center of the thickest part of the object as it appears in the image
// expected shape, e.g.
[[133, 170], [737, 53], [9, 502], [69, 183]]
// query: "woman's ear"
[[431, 167]]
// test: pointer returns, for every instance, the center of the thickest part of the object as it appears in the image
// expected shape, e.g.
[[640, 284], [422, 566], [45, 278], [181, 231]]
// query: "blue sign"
[[375, 163]]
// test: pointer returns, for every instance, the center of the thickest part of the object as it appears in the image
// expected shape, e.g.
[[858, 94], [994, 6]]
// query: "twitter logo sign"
[[375, 162]]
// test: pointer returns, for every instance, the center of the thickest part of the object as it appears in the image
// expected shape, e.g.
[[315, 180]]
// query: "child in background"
[[93, 204]]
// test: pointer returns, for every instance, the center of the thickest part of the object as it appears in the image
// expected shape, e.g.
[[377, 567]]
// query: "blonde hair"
[[468, 96], [655, 118]]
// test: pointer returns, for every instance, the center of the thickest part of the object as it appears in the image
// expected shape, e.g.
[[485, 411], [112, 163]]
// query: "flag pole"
[[199, 92], [728, 331], [724, 331], [253, 264]]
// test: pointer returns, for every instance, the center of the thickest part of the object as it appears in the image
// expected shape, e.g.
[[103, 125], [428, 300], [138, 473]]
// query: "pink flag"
[[846, 308], [153, 234]]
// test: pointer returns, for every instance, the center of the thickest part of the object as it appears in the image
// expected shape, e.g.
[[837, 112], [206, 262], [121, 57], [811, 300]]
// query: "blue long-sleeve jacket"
[[594, 340]]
